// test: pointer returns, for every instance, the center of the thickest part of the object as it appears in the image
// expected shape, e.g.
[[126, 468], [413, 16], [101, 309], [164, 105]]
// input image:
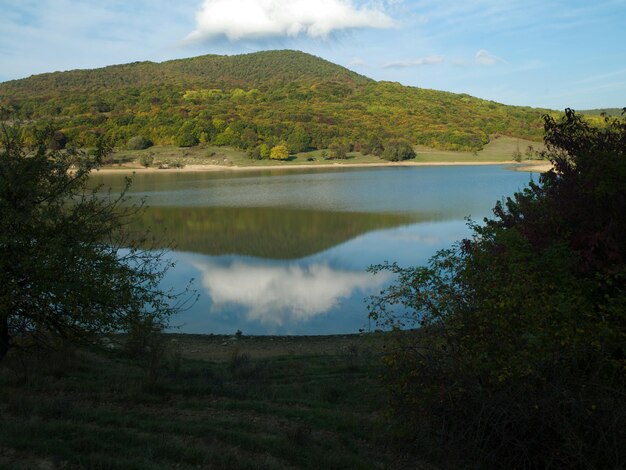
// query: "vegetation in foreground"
[[67, 264], [520, 358], [79, 409]]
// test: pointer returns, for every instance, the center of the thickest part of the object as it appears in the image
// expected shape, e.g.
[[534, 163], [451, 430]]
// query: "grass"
[[498, 150], [78, 409]]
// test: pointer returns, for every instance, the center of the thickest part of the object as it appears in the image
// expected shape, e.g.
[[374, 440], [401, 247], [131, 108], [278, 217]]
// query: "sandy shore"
[[526, 166]]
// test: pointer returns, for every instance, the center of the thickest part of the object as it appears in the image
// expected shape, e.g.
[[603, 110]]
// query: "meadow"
[[205, 402]]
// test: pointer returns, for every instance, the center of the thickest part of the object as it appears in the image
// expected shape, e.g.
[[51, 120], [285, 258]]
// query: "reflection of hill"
[[263, 232]]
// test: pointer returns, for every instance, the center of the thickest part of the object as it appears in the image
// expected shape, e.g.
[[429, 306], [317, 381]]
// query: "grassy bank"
[[213, 402], [499, 150]]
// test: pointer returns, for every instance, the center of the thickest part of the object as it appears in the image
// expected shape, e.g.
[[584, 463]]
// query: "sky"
[[541, 53]]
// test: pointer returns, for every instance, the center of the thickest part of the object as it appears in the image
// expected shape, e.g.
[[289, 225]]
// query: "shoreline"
[[524, 166]]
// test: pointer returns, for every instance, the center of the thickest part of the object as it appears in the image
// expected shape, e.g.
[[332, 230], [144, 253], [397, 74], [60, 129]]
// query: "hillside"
[[600, 111], [247, 100]]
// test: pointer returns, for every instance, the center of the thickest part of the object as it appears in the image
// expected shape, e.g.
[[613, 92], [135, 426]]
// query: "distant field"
[[498, 150]]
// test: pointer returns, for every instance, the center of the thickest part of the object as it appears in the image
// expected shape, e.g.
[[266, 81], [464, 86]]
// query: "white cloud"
[[257, 19], [432, 60], [280, 294], [485, 58], [357, 62]]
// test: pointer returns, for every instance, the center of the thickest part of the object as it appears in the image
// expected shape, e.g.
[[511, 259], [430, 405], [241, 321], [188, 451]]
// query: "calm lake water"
[[284, 252]]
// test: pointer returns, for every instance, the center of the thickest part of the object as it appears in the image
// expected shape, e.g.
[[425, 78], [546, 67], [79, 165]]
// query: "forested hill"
[[248, 100], [261, 69]]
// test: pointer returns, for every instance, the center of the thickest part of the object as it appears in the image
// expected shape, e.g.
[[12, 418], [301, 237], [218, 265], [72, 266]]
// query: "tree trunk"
[[4, 337]]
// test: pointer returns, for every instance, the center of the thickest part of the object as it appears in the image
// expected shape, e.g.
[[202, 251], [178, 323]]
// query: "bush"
[[254, 153], [338, 151], [138, 142], [279, 152], [187, 135], [517, 354], [264, 151], [397, 150], [146, 160]]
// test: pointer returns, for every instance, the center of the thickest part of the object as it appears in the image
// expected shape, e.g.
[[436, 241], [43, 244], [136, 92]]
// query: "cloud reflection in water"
[[278, 294]]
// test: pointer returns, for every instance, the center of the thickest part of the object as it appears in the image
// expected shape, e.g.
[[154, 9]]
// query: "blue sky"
[[547, 53]]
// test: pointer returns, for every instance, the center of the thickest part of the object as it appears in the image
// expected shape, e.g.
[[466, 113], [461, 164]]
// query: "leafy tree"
[[298, 140], [187, 135], [264, 151], [279, 152], [68, 268], [254, 153], [338, 150], [138, 142], [518, 354], [397, 150]]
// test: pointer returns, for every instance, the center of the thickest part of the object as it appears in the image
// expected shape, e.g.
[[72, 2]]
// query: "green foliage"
[[298, 140], [254, 153], [138, 142], [397, 150], [265, 97], [146, 160], [518, 358], [67, 267], [338, 150], [187, 135], [264, 151], [279, 152]]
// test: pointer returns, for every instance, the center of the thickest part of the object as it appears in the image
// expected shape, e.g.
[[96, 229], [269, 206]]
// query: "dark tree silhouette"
[[68, 268], [518, 355]]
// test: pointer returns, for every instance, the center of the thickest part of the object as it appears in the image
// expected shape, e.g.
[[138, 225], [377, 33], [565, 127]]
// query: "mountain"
[[247, 100]]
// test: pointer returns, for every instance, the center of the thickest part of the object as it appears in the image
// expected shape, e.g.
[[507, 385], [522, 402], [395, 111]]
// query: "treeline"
[[266, 98]]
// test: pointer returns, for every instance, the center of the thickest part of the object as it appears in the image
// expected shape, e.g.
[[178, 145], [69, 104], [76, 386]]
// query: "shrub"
[[338, 150], [146, 160], [138, 142], [397, 150], [279, 152], [508, 349], [264, 151], [254, 153]]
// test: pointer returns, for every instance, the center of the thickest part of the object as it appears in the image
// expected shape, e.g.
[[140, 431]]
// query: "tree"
[[187, 135], [397, 150], [338, 150], [264, 151], [279, 152], [138, 142], [509, 348], [298, 140], [69, 269]]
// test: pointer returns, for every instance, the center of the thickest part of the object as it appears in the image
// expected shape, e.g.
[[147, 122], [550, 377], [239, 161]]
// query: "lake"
[[286, 251]]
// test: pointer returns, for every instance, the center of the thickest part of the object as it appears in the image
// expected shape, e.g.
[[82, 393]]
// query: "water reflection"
[[267, 232], [286, 253], [319, 294], [278, 294]]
